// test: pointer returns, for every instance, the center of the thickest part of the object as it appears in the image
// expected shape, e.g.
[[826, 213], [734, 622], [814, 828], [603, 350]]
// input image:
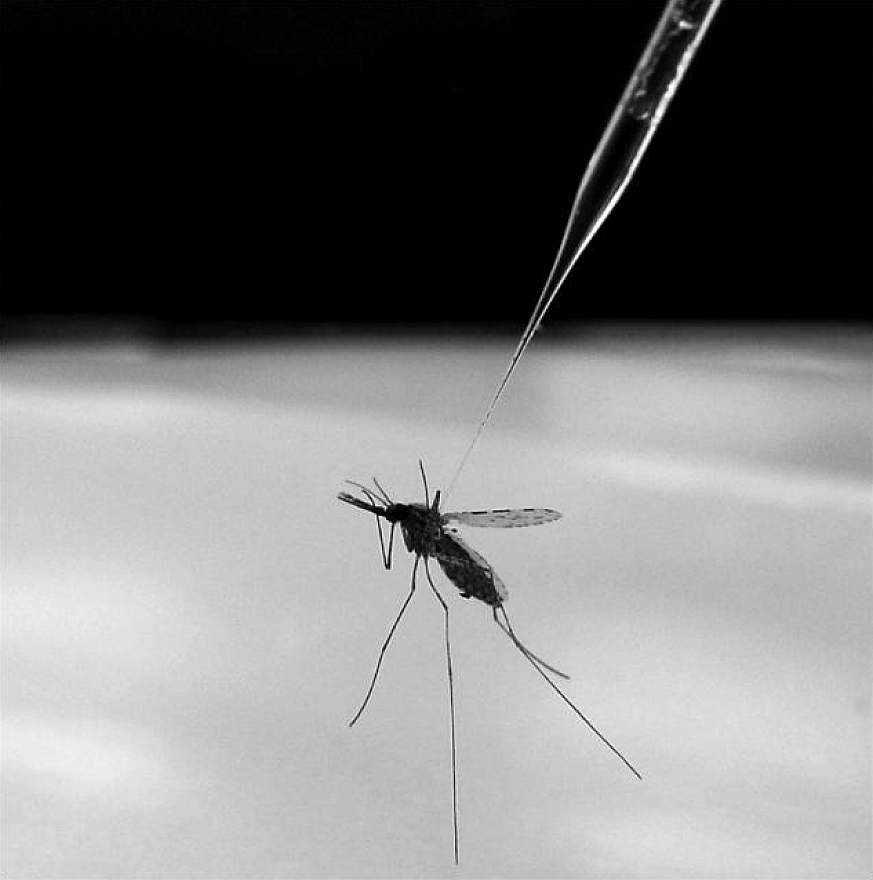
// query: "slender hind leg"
[[451, 708], [385, 645], [523, 648], [527, 656]]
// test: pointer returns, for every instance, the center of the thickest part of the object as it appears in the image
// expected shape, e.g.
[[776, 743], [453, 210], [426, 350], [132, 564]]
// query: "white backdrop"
[[191, 617]]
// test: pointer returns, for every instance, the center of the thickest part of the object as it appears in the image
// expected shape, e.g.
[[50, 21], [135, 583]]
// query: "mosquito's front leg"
[[374, 501], [390, 546], [386, 557]]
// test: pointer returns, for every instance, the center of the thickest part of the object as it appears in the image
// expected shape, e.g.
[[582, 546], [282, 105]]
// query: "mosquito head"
[[396, 512]]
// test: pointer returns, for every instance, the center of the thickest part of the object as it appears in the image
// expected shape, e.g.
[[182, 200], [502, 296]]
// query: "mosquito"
[[428, 533]]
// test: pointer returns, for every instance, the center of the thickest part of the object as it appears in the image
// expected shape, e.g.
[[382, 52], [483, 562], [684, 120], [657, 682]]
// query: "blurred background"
[[251, 250]]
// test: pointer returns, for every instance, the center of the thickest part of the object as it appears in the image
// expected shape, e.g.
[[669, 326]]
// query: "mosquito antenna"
[[372, 497], [360, 503], [385, 495], [564, 697], [527, 650], [367, 491], [451, 708], [385, 646], [424, 480]]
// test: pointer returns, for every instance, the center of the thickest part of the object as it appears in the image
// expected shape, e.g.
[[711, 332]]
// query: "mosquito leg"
[[451, 708], [511, 633], [375, 502], [424, 480], [565, 698], [390, 546], [385, 560], [385, 646], [386, 557]]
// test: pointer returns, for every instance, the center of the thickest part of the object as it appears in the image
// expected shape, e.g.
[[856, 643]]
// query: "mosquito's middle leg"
[[451, 707], [385, 645]]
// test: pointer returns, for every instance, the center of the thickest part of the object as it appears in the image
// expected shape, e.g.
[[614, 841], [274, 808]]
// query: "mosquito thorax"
[[420, 525]]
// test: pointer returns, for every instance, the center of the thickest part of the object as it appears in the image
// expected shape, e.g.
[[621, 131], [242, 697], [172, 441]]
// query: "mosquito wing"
[[503, 518], [468, 570]]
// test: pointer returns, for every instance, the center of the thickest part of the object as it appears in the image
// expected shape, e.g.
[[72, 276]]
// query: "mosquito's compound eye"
[[395, 512]]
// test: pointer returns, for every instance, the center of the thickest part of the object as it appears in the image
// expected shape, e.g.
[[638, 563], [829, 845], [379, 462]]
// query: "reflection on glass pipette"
[[623, 143]]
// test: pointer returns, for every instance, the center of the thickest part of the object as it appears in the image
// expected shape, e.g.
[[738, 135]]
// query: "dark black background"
[[301, 162]]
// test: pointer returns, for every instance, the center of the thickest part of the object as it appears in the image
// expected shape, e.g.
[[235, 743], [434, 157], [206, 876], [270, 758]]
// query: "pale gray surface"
[[191, 618]]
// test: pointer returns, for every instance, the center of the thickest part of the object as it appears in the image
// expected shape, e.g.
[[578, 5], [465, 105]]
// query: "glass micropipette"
[[634, 121]]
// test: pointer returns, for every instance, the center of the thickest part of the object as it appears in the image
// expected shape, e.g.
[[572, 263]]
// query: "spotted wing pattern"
[[468, 571], [503, 518]]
